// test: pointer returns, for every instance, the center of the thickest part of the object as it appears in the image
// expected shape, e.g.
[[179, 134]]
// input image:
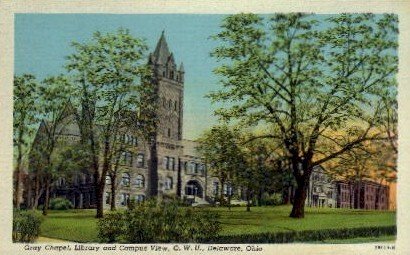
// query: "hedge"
[[305, 235]]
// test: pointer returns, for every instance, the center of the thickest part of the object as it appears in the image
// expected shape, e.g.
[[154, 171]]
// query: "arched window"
[[169, 132], [168, 183], [125, 181], [175, 105], [140, 160], [169, 104], [139, 182]]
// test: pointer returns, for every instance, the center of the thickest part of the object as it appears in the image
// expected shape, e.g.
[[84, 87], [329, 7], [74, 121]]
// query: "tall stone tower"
[[169, 79], [170, 82]]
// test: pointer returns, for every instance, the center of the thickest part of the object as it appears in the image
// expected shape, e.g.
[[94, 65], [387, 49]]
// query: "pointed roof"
[[181, 67], [161, 52]]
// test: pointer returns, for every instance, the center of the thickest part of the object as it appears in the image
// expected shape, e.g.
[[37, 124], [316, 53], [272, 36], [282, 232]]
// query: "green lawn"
[[80, 225]]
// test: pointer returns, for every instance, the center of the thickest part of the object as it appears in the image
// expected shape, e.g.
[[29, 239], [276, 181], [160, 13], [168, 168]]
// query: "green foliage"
[[26, 226], [308, 235], [308, 79], [81, 225], [274, 199], [150, 222], [60, 203], [111, 227]]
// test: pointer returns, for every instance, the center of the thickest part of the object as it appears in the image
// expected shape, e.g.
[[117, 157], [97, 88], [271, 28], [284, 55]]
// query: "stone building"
[[181, 171]]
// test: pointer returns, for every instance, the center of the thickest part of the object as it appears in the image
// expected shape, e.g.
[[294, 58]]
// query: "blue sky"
[[43, 40]]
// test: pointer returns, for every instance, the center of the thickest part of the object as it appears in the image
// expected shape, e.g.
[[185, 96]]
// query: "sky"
[[43, 40]]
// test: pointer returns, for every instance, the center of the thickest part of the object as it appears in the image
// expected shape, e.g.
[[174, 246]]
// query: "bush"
[[111, 227], [307, 235], [26, 226], [273, 199], [60, 203], [150, 222]]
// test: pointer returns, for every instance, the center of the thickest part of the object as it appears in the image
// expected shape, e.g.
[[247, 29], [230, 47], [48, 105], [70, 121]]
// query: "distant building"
[[365, 194], [321, 191], [324, 191]]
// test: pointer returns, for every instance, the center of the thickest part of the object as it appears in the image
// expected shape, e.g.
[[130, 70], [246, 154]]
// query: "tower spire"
[[161, 52]]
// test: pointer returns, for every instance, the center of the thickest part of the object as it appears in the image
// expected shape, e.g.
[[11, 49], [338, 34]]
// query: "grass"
[[80, 225]]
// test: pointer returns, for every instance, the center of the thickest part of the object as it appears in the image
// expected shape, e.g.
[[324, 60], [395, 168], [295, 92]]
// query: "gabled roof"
[[161, 53]]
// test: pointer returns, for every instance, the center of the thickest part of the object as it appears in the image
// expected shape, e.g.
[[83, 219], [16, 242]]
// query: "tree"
[[109, 80], [54, 111], [304, 76], [24, 120], [220, 147]]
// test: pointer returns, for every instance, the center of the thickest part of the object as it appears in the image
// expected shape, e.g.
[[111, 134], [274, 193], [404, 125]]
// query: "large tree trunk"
[[153, 169], [99, 200], [47, 196], [113, 192], [37, 193], [298, 209]]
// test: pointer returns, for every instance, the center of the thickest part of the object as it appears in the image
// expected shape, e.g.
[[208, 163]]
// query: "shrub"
[[306, 235], [271, 199], [164, 222], [60, 203], [111, 227], [26, 226]]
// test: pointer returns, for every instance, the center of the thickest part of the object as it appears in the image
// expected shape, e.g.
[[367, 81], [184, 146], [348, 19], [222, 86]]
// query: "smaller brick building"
[[363, 194]]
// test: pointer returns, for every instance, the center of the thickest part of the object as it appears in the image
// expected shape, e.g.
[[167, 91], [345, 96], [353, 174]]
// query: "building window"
[[107, 179], [140, 160], [169, 104], [125, 181], [107, 198], [166, 163], [140, 198], [139, 182], [215, 188], [171, 164], [169, 132], [175, 105], [192, 167], [126, 158], [168, 183], [164, 102], [125, 199]]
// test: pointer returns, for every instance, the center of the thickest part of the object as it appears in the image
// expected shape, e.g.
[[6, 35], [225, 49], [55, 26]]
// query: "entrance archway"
[[194, 188]]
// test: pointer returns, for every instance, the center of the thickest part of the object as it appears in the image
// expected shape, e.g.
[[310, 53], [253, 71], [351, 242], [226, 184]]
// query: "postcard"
[[212, 127]]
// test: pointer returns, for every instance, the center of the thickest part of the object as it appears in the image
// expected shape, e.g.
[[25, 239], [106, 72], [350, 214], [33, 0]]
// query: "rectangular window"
[[107, 198], [125, 199], [166, 163], [172, 163], [140, 160]]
